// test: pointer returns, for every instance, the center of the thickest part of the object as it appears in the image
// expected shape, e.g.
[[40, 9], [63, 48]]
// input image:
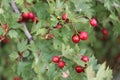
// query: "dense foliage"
[[58, 39]]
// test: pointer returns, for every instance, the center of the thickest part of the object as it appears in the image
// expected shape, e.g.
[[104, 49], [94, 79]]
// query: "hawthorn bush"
[[59, 39]]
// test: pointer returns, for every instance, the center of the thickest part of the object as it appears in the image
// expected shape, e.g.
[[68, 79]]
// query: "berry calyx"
[[104, 31], [31, 15], [25, 16], [58, 26], [93, 22], [75, 38], [79, 69], [64, 16], [55, 59], [85, 59], [61, 64], [83, 35]]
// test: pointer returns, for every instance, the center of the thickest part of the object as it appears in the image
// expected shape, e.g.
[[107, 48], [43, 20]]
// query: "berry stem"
[[74, 28], [27, 33], [83, 16]]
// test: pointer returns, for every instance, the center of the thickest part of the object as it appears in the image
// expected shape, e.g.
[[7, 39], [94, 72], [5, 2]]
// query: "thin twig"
[[27, 33]]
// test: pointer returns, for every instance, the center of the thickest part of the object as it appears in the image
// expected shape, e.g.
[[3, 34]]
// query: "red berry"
[[31, 15], [5, 26], [2, 38], [93, 22], [79, 69], [55, 59], [105, 31], [6, 40], [35, 20], [75, 38], [25, 16], [83, 35], [61, 64], [85, 59], [64, 16], [51, 35], [20, 20], [16, 78], [58, 26]]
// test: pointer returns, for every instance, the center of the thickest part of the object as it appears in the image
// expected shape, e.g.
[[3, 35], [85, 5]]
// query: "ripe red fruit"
[[61, 64], [20, 20], [31, 15], [51, 35], [83, 35], [75, 38], [93, 22], [5, 27], [55, 59], [85, 59], [16, 78], [35, 20], [64, 16], [2, 38], [58, 26], [105, 31], [6, 40], [25, 16], [79, 69]]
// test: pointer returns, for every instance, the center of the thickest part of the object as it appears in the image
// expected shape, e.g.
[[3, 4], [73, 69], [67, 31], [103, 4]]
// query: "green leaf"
[[1, 11], [21, 67], [26, 53], [90, 73], [22, 45], [20, 2], [41, 31], [101, 72], [13, 34], [13, 56]]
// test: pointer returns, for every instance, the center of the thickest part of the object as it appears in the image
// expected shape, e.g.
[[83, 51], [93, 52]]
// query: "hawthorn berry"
[[85, 59], [64, 16], [5, 26], [93, 22], [25, 16], [104, 31], [55, 59], [6, 40], [31, 15], [58, 26], [75, 38], [51, 35], [61, 64], [79, 69], [16, 78], [83, 35], [20, 20], [35, 19]]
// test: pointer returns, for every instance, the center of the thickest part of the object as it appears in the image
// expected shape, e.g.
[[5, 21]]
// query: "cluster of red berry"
[[83, 35], [25, 17], [61, 63], [3, 38], [57, 59], [64, 18]]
